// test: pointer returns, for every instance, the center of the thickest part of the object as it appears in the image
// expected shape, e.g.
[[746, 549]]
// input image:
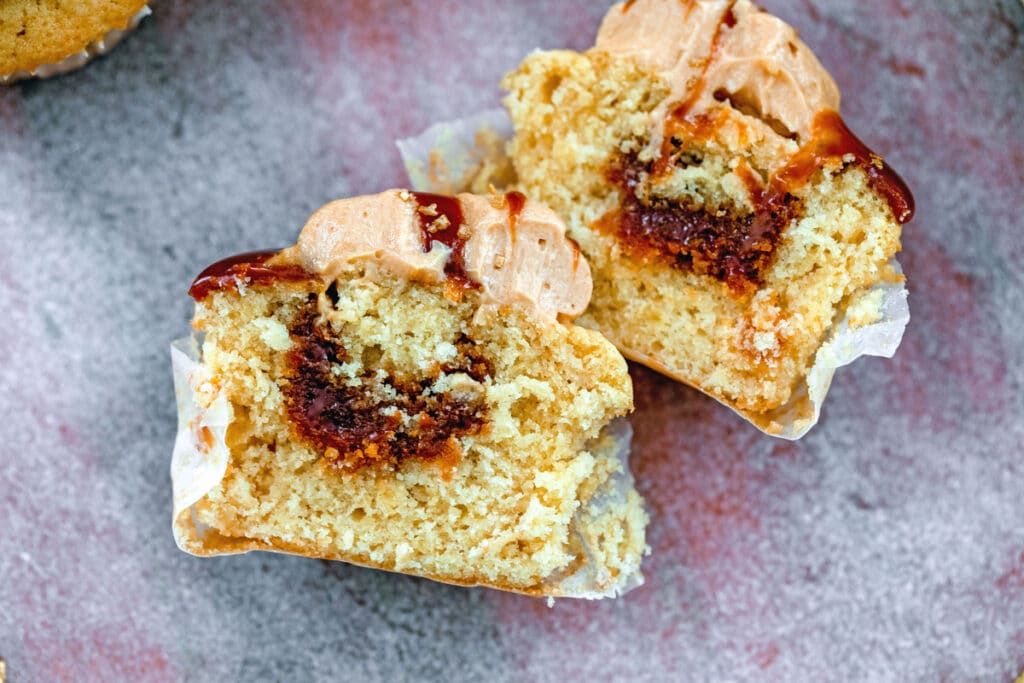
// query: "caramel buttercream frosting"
[[513, 250]]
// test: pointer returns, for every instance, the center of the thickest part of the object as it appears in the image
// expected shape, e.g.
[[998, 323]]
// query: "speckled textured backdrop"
[[887, 545]]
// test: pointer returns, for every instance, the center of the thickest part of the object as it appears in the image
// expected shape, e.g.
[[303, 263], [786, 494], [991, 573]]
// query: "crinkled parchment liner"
[[82, 57], [446, 157], [201, 456]]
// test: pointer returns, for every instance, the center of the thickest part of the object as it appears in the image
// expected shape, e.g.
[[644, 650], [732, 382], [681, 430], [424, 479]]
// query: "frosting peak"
[[711, 50]]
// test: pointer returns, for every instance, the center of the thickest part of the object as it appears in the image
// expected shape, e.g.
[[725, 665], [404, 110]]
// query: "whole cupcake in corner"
[[43, 38]]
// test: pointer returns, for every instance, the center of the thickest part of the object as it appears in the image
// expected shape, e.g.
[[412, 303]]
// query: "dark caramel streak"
[[515, 201], [354, 428], [249, 269], [729, 19], [441, 219], [575, 253]]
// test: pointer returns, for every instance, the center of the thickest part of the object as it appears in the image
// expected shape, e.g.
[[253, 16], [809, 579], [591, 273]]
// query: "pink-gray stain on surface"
[[886, 545]]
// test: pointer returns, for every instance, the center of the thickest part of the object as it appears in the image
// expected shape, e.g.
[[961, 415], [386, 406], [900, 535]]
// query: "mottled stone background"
[[887, 545]]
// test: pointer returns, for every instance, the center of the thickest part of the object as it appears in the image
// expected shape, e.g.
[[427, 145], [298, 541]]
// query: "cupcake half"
[[732, 221], [404, 389]]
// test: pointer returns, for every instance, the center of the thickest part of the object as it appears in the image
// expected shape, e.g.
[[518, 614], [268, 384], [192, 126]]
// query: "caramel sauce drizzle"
[[248, 269], [831, 140], [681, 121], [515, 201], [441, 220]]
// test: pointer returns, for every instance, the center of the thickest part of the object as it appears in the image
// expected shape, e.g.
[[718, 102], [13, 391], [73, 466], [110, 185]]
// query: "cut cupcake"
[[403, 389], [46, 38], [730, 218]]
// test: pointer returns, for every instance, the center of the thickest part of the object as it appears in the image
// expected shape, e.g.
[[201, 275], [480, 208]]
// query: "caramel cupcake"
[[404, 389], [732, 221]]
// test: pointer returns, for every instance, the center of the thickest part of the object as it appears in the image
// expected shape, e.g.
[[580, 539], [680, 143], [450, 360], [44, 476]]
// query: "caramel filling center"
[[376, 418], [735, 248]]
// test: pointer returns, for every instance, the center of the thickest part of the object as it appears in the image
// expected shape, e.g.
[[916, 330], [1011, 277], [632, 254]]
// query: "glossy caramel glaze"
[[247, 269], [833, 141], [442, 220]]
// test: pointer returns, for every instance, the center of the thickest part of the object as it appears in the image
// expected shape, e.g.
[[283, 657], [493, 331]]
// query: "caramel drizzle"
[[681, 121], [247, 269], [832, 140], [441, 220], [515, 201]]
